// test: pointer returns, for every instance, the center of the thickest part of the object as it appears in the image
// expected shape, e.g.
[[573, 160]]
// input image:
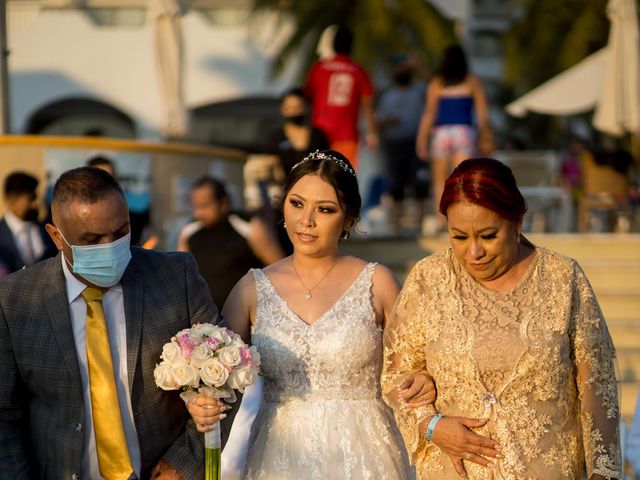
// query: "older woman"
[[513, 337]]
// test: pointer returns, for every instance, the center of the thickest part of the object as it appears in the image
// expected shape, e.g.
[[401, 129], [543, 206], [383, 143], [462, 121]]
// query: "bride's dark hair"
[[335, 169]]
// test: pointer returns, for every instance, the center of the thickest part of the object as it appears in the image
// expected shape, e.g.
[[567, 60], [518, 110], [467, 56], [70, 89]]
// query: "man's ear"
[[55, 235]]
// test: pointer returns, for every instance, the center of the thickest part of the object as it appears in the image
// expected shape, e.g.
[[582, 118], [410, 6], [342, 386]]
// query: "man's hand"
[[164, 471]]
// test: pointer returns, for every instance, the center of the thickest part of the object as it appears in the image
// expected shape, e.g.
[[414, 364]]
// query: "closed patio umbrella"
[[168, 46], [618, 109]]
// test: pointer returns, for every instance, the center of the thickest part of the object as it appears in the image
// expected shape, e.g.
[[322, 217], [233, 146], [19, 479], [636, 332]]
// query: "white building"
[[87, 66]]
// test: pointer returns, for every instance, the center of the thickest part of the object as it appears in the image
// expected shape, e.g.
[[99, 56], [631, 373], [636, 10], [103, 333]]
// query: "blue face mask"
[[102, 264]]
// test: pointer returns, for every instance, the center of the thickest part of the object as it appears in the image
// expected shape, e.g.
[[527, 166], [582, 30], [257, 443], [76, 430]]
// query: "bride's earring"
[[284, 224]]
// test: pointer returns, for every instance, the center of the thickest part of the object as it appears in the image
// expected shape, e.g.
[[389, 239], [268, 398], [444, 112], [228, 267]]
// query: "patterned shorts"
[[449, 140]]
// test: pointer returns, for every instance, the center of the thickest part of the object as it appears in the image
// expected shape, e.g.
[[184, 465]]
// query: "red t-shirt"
[[335, 87]]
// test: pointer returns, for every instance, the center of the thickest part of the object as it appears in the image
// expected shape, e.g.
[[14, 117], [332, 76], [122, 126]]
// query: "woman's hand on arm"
[[453, 435], [417, 390]]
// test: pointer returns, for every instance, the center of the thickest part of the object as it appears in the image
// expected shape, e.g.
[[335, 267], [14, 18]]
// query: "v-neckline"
[[326, 312]]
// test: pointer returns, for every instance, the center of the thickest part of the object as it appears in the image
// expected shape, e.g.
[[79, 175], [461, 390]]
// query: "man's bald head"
[[85, 185]]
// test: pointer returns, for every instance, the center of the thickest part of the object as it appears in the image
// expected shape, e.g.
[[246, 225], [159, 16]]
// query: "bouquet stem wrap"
[[212, 453]]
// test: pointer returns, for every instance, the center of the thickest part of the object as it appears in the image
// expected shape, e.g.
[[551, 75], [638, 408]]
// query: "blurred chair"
[[549, 205], [604, 190]]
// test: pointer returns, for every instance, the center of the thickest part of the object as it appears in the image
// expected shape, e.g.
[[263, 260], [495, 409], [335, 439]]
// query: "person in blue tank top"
[[455, 120]]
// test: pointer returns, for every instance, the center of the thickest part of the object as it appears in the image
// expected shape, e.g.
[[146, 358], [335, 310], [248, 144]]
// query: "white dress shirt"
[[27, 237], [113, 304]]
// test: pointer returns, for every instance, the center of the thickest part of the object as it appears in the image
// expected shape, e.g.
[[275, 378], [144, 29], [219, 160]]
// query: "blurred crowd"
[[420, 126]]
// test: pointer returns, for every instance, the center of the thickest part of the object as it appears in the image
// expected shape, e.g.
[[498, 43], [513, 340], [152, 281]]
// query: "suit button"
[[75, 476], [78, 427]]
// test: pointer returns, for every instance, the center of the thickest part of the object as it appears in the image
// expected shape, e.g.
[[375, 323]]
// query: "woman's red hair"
[[485, 182]]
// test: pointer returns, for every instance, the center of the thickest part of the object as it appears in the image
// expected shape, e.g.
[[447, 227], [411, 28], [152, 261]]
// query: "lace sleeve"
[[404, 353], [596, 380]]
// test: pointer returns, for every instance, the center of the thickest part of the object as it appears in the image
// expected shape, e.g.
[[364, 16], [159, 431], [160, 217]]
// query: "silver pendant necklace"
[[308, 295]]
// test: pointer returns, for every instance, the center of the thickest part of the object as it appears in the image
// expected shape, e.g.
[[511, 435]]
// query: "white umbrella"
[[618, 109], [167, 41], [573, 91]]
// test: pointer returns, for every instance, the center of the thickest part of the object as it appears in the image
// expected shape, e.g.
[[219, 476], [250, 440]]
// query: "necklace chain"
[[308, 295]]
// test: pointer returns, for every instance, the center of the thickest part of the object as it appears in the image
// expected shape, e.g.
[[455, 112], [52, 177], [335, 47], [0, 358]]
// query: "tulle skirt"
[[326, 439]]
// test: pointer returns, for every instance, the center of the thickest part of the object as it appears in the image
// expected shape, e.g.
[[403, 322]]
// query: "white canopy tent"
[[573, 91], [607, 81]]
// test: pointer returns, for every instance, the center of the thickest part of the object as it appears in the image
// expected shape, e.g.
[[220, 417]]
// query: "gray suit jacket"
[[41, 404]]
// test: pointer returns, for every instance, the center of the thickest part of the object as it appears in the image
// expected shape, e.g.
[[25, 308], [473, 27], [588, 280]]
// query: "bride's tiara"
[[318, 155]]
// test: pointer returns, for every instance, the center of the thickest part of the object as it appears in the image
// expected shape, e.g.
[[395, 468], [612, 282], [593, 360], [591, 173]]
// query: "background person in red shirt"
[[337, 88]]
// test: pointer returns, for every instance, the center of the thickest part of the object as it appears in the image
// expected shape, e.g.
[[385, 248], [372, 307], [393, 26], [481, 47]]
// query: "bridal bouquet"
[[212, 361]]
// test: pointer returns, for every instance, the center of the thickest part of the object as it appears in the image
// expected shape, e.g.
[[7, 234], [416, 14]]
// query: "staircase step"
[[585, 247], [628, 396], [619, 306], [628, 363], [626, 337], [582, 247], [613, 276]]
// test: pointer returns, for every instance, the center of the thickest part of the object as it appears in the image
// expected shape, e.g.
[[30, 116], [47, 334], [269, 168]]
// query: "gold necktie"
[[111, 445]]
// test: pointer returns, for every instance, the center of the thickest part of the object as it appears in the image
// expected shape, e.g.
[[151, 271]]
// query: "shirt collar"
[[75, 286], [15, 224]]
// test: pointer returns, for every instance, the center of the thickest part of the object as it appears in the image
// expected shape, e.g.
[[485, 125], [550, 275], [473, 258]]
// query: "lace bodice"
[[494, 320], [322, 415], [337, 357]]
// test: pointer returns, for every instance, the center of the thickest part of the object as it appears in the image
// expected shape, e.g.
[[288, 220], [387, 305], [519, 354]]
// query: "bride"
[[317, 318]]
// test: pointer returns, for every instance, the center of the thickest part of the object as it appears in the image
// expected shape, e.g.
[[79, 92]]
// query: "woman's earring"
[[284, 224], [346, 235]]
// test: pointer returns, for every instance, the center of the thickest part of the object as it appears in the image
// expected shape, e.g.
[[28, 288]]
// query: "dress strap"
[[364, 281], [262, 282]]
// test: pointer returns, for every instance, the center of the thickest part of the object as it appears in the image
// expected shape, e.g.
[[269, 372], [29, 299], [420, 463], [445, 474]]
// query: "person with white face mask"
[[79, 338]]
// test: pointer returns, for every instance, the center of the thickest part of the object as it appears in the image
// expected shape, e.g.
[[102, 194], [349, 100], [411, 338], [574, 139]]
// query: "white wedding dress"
[[322, 416]]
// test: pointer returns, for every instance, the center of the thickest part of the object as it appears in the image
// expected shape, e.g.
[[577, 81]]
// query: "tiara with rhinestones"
[[318, 155]]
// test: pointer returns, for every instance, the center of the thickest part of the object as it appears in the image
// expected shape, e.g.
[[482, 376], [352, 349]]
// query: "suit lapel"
[[133, 304], [60, 317]]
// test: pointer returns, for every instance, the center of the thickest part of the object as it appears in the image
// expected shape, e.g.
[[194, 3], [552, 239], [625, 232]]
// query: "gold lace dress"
[[322, 415], [537, 361]]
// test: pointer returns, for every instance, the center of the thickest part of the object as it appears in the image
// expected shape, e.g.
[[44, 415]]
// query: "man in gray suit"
[[47, 401]]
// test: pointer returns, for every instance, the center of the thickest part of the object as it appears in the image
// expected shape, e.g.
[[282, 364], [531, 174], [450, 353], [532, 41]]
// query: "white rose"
[[255, 355], [230, 356], [200, 355], [185, 375], [214, 373], [164, 377], [205, 329], [241, 377], [220, 334], [172, 354]]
